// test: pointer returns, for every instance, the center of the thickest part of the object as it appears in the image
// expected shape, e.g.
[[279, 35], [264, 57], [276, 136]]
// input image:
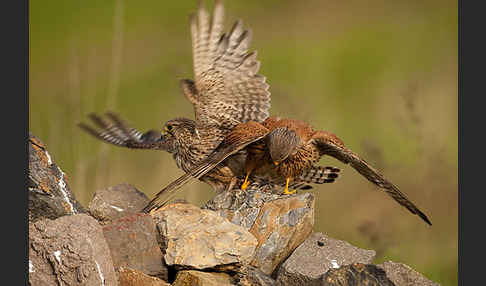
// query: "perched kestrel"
[[287, 148]]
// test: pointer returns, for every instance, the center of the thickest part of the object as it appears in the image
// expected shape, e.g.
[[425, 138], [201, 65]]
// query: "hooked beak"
[[276, 163]]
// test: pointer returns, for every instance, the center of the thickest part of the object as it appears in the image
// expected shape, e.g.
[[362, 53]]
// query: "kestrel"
[[287, 148], [226, 91]]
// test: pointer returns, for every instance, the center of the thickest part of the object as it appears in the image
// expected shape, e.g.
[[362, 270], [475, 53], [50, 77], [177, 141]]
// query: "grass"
[[382, 75]]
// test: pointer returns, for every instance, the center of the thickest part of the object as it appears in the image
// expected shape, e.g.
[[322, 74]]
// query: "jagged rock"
[[356, 274], [252, 276], [196, 238], [403, 275], [197, 278], [116, 202], [313, 258], [70, 250], [280, 223], [49, 192], [132, 277], [133, 243]]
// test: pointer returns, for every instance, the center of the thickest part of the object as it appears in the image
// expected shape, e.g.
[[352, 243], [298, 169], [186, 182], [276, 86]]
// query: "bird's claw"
[[245, 185], [288, 192]]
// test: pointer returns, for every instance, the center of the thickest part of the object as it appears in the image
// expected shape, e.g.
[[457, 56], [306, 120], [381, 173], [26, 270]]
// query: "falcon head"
[[282, 143], [179, 130]]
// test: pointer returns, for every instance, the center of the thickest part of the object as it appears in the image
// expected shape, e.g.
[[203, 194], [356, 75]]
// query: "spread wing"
[[227, 89], [243, 135], [117, 132], [329, 144]]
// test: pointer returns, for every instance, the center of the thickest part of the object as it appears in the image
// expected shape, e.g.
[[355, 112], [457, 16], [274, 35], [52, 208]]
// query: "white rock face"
[[202, 239], [71, 249]]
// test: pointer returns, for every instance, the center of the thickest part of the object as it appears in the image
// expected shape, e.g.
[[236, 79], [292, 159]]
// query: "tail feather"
[[320, 175]]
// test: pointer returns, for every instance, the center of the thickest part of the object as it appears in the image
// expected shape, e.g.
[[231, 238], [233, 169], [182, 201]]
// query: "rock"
[[240, 207], [280, 223], [196, 238], [116, 202], [70, 250], [197, 278], [403, 275], [133, 244], [313, 258], [49, 193], [132, 277], [356, 274], [252, 276]]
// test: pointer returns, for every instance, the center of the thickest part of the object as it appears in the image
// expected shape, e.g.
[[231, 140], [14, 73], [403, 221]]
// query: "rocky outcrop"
[[49, 193], [198, 278], [70, 250], [191, 237], [132, 277], [250, 238], [133, 244], [280, 223], [403, 275], [316, 256], [116, 202]]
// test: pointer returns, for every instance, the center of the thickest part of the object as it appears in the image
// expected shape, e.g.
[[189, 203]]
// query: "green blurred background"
[[380, 74]]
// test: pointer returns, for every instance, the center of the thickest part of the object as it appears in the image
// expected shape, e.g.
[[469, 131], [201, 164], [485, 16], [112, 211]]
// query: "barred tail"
[[319, 175]]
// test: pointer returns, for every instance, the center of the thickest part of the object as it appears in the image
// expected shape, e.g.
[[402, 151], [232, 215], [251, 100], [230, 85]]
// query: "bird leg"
[[286, 190], [246, 183]]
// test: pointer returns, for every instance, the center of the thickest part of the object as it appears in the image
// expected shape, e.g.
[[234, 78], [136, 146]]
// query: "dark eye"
[[168, 128]]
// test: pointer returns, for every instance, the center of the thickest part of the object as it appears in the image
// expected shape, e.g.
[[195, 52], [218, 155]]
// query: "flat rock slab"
[[196, 238], [197, 278], [49, 193], [356, 274], [403, 275], [133, 277], [70, 250], [116, 202], [318, 254], [133, 244], [280, 223]]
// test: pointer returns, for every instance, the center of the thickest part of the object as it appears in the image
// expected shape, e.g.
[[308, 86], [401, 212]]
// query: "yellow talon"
[[286, 190], [246, 183]]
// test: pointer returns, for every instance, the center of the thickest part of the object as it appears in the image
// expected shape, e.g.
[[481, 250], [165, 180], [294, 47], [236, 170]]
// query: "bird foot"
[[245, 185], [288, 192]]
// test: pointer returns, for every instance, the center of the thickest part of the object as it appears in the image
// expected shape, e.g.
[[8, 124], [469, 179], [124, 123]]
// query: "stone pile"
[[237, 238]]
